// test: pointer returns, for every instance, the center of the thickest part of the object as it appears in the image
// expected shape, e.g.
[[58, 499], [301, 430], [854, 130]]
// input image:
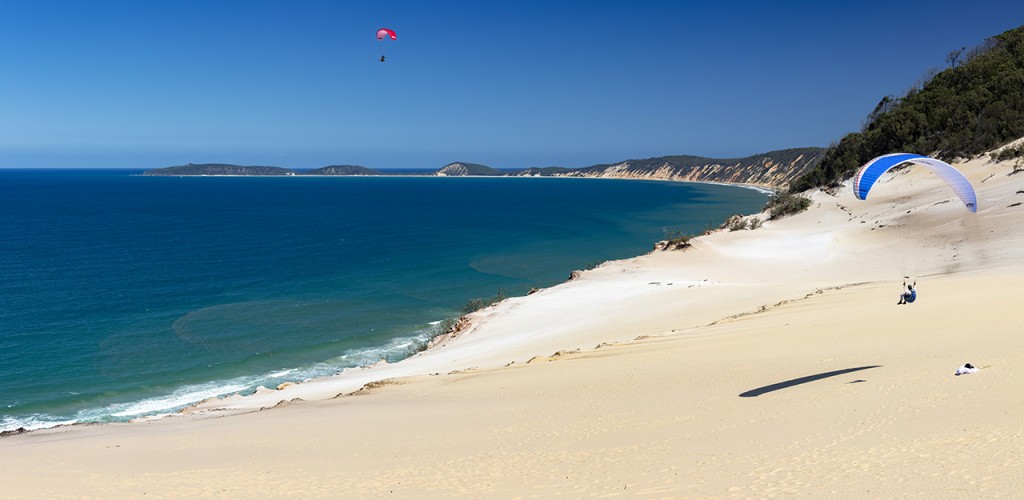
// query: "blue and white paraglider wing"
[[874, 169]]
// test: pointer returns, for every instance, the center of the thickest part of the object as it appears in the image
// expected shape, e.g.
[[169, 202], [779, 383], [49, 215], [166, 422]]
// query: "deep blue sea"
[[123, 295]]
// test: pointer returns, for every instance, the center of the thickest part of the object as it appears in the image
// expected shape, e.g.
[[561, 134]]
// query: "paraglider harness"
[[910, 295]]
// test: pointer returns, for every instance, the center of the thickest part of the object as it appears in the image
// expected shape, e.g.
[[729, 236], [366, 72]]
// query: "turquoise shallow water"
[[123, 295]]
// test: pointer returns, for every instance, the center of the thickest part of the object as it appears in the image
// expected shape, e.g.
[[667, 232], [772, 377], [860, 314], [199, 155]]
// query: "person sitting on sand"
[[909, 294], [967, 368]]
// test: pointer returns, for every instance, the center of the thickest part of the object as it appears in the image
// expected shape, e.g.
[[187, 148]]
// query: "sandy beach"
[[761, 363]]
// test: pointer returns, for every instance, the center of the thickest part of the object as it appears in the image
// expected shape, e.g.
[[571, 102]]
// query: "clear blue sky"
[[510, 84]]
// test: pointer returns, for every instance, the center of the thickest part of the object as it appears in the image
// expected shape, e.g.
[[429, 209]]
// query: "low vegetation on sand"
[[785, 204]]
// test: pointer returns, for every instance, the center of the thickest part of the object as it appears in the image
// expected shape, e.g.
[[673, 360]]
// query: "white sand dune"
[[758, 363]]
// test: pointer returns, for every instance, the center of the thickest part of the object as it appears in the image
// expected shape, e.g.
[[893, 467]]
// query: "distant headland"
[[774, 169]]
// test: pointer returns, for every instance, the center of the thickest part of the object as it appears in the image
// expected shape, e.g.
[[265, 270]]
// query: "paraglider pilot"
[[381, 58], [909, 294]]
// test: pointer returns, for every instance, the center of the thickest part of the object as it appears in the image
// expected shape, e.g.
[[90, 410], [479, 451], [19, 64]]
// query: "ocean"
[[123, 296]]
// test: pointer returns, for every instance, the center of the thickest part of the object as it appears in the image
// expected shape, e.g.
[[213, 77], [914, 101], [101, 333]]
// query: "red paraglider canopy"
[[384, 32]]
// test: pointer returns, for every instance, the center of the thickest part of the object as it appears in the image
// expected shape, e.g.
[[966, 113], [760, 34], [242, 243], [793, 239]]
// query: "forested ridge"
[[975, 105]]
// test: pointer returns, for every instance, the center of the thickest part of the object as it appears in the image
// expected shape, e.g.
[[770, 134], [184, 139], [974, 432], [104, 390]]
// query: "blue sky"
[[510, 84]]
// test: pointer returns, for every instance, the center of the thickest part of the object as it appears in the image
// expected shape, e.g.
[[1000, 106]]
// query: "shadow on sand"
[[753, 393]]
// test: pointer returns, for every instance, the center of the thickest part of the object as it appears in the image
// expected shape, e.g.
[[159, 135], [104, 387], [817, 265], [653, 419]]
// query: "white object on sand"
[[965, 369]]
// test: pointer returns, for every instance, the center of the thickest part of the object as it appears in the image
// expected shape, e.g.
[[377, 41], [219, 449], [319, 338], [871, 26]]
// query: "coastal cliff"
[[775, 169]]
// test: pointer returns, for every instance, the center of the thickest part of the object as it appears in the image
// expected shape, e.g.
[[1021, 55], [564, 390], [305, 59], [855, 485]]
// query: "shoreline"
[[200, 405], [763, 188], [467, 322]]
